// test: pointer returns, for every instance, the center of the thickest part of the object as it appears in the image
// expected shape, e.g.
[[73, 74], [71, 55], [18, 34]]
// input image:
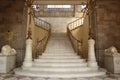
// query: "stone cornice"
[[59, 1]]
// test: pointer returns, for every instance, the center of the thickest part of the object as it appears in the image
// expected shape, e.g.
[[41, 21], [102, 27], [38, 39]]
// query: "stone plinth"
[[112, 63], [112, 60], [28, 55], [92, 63], [7, 63]]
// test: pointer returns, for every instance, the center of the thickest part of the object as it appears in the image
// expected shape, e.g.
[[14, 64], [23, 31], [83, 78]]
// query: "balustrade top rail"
[[75, 24], [41, 23], [41, 44]]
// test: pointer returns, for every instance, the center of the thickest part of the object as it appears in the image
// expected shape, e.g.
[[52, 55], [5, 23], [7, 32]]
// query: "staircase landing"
[[59, 61]]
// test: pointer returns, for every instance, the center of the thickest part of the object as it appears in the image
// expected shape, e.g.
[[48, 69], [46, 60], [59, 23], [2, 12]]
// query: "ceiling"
[[59, 2]]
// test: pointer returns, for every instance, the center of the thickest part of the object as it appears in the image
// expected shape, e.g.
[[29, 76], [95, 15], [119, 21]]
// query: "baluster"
[[44, 25], [70, 26], [80, 49], [73, 25], [77, 22]]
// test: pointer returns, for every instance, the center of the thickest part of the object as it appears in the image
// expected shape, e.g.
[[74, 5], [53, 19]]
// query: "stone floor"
[[12, 76]]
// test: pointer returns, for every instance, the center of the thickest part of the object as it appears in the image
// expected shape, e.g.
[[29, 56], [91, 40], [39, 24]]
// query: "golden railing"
[[41, 23], [76, 43], [75, 24], [40, 45]]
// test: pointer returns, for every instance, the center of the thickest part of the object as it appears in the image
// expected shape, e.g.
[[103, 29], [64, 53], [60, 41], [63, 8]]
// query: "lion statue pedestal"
[[7, 59], [112, 60]]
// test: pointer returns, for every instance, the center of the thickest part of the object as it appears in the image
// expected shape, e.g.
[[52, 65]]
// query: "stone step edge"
[[19, 71], [59, 61], [59, 69]]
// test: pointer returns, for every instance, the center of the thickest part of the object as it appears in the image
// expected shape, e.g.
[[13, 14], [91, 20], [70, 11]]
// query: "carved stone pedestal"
[[92, 63], [112, 60], [28, 55], [112, 63], [7, 63]]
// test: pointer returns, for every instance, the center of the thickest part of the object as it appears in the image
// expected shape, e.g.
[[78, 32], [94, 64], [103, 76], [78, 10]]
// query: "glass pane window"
[[59, 6]]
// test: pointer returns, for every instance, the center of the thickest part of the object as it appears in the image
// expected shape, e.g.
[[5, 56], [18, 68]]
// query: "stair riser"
[[58, 75], [54, 53], [60, 57], [60, 61], [60, 69], [66, 56], [59, 65], [59, 53]]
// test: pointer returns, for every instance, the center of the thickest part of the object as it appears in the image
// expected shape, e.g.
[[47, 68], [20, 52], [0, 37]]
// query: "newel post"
[[92, 63], [28, 53]]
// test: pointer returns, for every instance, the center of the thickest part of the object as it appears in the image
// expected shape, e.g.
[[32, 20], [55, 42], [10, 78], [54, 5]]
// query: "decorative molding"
[[29, 33], [59, 1]]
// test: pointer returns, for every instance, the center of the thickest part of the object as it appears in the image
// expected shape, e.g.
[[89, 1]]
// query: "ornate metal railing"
[[75, 24], [40, 45], [76, 43], [41, 23]]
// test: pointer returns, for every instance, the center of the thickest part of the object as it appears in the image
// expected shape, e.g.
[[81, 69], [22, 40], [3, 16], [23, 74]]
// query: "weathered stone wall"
[[13, 21], [107, 28]]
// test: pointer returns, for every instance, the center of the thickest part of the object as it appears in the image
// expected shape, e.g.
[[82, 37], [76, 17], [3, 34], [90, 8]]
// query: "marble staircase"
[[59, 61]]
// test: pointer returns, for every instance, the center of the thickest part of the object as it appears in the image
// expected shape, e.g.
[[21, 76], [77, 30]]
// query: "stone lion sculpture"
[[111, 51], [7, 50]]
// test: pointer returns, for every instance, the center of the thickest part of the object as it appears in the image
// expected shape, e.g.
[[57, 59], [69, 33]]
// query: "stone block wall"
[[13, 25], [107, 28]]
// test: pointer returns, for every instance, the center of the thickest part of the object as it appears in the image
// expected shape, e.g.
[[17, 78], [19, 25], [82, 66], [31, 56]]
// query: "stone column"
[[91, 55], [28, 55]]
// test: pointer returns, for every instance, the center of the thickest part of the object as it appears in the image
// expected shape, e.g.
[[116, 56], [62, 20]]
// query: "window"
[[59, 6]]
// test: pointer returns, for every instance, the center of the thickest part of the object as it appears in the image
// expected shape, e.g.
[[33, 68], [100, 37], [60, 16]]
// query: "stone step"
[[59, 54], [62, 64], [59, 60], [59, 57], [60, 69], [59, 50], [44, 74]]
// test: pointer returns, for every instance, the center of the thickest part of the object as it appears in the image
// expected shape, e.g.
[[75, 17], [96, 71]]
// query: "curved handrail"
[[41, 44], [76, 43], [41, 20], [72, 35], [69, 28], [76, 23], [41, 23]]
